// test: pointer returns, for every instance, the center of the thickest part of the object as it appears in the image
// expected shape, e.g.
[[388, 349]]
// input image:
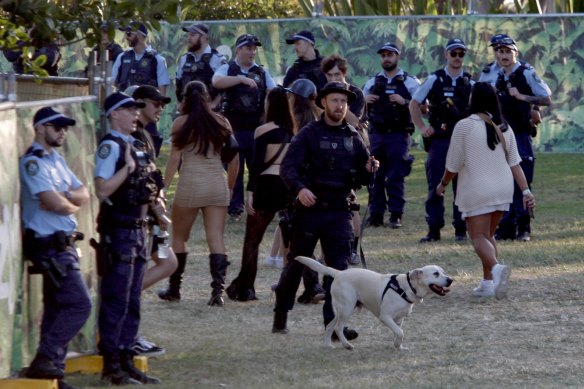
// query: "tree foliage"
[[243, 9]]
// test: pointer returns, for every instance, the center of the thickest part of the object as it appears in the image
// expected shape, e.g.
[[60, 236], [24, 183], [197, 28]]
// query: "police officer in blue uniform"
[[125, 184], [518, 88], [325, 161], [388, 95], [141, 64], [51, 194], [199, 63], [244, 85], [448, 91], [308, 63]]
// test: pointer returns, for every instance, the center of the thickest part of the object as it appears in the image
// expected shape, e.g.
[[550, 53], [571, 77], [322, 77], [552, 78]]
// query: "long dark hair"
[[483, 99], [202, 126], [278, 109], [304, 110]]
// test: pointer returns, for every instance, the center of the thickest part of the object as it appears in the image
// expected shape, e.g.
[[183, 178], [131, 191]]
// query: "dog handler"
[[324, 162]]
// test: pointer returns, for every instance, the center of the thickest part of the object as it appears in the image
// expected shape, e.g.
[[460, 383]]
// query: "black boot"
[[127, 365], [112, 372], [42, 367], [432, 236], [280, 320], [313, 291], [218, 264], [174, 281]]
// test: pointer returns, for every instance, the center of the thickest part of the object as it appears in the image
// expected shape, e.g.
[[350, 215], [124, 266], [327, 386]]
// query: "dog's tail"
[[317, 266]]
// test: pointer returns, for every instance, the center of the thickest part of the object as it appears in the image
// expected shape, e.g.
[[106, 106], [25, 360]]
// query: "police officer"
[[518, 88], [448, 91], [125, 185], [308, 63], [244, 85], [50, 51], [388, 95], [141, 64], [199, 63], [51, 194], [111, 47], [325, 161]]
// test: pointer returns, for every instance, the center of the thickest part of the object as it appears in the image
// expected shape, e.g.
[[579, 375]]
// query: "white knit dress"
[[485, 181]]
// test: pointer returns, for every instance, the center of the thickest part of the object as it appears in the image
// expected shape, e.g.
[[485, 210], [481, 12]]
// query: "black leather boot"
[[112, 372], [218, 264], [43, 368], [280, 322], [175, 280], [127, 365]]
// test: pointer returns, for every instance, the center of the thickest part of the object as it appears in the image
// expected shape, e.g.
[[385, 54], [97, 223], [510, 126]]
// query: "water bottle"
[[162, 239]]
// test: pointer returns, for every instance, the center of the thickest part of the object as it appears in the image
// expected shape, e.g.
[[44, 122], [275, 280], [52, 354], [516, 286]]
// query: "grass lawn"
[[533, 339]]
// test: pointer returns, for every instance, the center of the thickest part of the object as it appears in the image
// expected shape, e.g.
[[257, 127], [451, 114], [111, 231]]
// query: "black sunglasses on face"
[[57, 129], [455, 54]]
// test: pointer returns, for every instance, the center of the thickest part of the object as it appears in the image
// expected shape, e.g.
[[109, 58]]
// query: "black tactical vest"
[[516, 112], [200, 70], [385, 116], [448, 104], [243, 100], [132, 72]]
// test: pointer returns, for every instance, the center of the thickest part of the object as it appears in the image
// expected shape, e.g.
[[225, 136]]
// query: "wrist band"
[[526, 192]]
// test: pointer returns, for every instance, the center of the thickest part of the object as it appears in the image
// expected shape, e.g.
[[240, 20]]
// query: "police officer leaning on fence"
[[325, 161], [307, 65], [518, 88], [388, 95], [125, 184], [244, 85], [448, 91], [51, 194], [140, 64], [199, 64]]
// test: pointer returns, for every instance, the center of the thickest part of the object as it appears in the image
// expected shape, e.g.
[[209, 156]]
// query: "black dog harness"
[[394, 285]]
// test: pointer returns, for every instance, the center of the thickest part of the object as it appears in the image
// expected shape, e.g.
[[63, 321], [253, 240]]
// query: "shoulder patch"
[[31, 167], [104, 151]]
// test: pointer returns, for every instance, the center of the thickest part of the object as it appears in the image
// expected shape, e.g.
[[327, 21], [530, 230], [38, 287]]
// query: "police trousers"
[[334, 229]]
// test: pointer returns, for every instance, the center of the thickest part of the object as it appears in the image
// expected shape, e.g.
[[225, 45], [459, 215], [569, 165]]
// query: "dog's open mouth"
[[439, 290]]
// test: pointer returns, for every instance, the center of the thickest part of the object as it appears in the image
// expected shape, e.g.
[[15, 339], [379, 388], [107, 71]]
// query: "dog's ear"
[[416, 274]]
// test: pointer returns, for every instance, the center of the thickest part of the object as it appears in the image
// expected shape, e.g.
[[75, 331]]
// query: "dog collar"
[[394, 285], [410, 284]]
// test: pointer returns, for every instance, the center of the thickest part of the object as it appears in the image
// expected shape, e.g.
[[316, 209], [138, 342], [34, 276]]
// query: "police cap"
[[49, 115], [120, 100]]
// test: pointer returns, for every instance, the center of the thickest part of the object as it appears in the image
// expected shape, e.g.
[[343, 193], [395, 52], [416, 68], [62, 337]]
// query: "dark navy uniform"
[[122, 227], [49, 245], [330, 162], [306, 69], [449, 102], [53, 54], [517, 113], [190, 68], [390, 127], [244, 108]]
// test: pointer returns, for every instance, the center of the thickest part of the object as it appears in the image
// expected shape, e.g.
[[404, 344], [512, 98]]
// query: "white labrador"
[[390, 297]]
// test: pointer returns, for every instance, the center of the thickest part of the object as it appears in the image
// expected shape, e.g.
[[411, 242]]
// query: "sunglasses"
[[455, 54], [157, 104], [57, 129], [130, 33]]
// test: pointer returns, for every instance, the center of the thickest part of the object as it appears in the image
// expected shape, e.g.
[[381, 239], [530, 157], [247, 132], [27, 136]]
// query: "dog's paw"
[[348, 346]]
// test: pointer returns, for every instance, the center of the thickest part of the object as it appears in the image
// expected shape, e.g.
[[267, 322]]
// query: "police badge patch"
[[31, 167], [144, 63], [104, 151]]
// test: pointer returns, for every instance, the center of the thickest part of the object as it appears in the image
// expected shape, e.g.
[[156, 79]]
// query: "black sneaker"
[[375, 221], [145, 348], [43, 368], [314, 296], [524, 236], [459, 235], [432, 236], [395, 222], [349, 333], [118, 377]]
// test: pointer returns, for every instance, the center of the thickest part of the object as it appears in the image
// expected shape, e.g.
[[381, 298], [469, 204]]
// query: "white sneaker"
[[501, 274], [485, 289], [278, 262], [269, 261]]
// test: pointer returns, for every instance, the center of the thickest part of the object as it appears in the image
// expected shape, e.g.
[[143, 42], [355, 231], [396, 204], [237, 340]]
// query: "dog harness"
[[394, 285]]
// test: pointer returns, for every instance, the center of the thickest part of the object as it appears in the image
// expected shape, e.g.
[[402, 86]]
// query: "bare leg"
[[481, 229], [161, 269]]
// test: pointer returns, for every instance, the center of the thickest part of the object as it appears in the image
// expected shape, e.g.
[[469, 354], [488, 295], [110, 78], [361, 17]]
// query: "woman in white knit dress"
[[486, 166]]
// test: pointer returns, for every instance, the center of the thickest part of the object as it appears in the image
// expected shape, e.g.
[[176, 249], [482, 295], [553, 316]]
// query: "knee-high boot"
[[218, 264], [172, 293]]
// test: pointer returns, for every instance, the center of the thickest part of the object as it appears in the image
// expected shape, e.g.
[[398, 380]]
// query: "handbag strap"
[[279, 152], [490, 121]]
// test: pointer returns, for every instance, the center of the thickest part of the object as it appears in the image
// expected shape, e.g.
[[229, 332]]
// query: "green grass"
[[533, 339]]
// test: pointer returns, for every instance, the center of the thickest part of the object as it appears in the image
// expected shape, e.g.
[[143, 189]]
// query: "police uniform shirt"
[[107, 155], [490, 73], [223, 69], [43, 172], [424, 89], [214, 62], [411, 83], [538, 87], [163, 79]]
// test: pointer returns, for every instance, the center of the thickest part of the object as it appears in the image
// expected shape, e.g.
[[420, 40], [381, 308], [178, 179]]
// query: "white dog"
[[390, 297]]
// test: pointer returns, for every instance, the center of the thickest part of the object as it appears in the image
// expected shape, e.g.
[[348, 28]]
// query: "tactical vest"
[[309, 70], [142, 72], [385, 116], [241, 99], [516, 112], [200, 70], [332, 172], [140, 188], [448, 104]]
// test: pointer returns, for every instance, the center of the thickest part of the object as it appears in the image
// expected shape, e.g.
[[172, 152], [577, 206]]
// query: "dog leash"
[[364, 222]]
